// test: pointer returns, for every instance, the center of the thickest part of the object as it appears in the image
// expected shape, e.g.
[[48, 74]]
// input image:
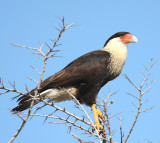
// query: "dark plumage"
[[84, 76]]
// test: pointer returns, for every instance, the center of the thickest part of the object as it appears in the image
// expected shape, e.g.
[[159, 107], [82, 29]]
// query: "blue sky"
[[30, 22]]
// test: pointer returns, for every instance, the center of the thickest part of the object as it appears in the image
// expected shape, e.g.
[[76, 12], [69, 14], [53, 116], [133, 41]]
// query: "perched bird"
[[85, 76]]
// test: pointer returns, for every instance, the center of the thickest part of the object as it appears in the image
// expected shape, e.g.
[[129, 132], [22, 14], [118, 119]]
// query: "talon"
[[101, 115], [98, 127], [104, 134]]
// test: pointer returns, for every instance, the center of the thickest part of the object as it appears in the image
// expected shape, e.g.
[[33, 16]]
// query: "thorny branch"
[[23, 123], [44, 57], [90, 123], [66, 120], [6, 90]]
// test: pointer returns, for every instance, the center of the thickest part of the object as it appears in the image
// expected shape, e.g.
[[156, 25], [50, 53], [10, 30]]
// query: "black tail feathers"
[[24, 103]]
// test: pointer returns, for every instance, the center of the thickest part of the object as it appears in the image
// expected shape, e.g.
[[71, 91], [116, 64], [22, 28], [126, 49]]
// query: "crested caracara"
[[85, 76]]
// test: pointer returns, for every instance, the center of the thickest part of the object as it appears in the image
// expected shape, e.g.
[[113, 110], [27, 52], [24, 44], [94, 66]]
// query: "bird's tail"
[[24, 103]]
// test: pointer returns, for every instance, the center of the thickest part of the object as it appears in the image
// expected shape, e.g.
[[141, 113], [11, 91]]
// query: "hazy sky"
[[31, 22]]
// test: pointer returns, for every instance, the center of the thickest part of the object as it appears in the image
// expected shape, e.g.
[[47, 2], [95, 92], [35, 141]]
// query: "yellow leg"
[[95, 114]]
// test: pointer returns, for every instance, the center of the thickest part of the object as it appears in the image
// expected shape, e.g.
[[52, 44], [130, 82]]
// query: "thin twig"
[[23, 123]]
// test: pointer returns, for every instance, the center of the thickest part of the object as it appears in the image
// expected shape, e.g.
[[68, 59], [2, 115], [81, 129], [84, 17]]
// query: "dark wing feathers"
[[85, 69], [78, 70]]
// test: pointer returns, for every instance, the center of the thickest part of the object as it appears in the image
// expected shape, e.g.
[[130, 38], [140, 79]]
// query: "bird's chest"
[[118, 54], [118, 59]]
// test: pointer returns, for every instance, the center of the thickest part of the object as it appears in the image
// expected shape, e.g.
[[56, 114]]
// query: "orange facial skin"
[[126, 38]]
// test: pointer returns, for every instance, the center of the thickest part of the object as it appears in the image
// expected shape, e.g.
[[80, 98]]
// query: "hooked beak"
[[134, 39]]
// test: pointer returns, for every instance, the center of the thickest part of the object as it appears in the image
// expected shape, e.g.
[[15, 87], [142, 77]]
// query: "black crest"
[[118, 34]]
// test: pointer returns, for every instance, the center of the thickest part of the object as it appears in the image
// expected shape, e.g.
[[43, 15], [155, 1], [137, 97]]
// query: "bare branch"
[[9, 90], [4, 92], [133, 95], [16, 45], [66, 121], [140, 97], [147, 109], [115, 115], [76, 137], [152, 83], [106, 106], [23, 123], [45, 56], [68, 113], [121, 132], [131, 81], [35, 69], [32, 79], [122, 135], [135, 105], [148, 141]]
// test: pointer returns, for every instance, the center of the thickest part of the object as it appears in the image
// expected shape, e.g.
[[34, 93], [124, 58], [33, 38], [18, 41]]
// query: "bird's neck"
[[117, 49], [118, 54]]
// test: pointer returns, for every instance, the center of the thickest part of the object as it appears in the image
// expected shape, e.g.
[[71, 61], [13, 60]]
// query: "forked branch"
[[140, 97]]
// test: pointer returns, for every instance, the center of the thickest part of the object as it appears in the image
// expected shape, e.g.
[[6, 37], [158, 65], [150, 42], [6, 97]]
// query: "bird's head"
[[122, 37], [117, 44]]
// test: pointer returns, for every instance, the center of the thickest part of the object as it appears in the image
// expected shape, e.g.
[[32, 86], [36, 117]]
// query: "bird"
[[84, 76]]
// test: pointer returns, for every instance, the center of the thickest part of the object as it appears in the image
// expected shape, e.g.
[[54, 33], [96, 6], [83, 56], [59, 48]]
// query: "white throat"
[[119, 52], [117, 48]]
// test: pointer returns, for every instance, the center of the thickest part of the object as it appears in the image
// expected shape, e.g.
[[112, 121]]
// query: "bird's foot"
[[99, 120], [101, 115], [102, 119], [100, 129], [100, 124]]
